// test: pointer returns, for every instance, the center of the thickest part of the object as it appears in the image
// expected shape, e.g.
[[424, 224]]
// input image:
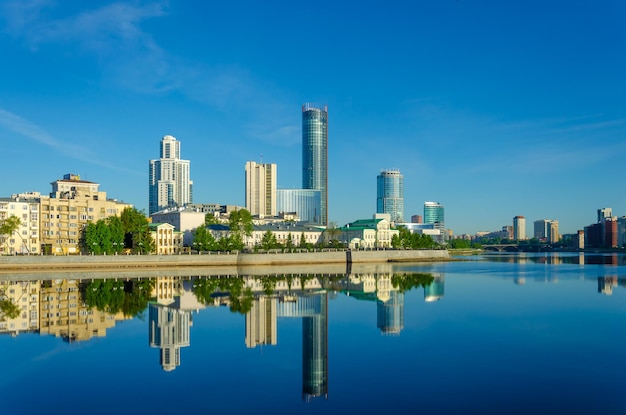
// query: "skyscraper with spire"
[[315, 154], [169, 182]]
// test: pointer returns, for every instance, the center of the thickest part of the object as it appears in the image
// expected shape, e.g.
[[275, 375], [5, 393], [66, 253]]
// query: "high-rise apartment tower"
[[315, 154], [170, 185], [390, 194], [261, 189]]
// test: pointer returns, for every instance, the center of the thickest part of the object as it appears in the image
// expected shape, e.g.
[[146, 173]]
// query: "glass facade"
[[315, 154], [433, 212], [390, 194], [305, 202]]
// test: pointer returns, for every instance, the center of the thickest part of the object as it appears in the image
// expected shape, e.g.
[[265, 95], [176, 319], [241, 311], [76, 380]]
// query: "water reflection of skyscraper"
[[169, 330], [434, 291], [390, 314], [312, 308]]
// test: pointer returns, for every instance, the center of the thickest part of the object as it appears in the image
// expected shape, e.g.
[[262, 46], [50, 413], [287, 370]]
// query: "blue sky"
[[492, 108]]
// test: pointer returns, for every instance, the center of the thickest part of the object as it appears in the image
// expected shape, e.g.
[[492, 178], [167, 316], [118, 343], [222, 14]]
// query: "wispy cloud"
[[35, 133], [130, 58]]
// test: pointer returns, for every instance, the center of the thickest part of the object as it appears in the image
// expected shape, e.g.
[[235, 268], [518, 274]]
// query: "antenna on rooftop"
[[261, 158]]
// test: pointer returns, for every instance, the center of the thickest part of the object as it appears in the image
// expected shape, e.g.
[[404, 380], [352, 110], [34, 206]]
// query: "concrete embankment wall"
[[43, 263]]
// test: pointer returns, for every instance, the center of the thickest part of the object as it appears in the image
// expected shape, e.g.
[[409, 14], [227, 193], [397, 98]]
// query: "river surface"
[[501, 334]]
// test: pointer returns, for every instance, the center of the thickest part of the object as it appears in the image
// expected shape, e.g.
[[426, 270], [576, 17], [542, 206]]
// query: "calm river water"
[[506, 333]]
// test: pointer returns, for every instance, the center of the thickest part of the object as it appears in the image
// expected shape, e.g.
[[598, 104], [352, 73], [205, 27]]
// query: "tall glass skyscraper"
[[315, 154], [170, 185], [390, 194]]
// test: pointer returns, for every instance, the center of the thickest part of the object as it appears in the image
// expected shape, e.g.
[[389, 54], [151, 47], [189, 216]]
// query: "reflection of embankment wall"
[[49, 263]]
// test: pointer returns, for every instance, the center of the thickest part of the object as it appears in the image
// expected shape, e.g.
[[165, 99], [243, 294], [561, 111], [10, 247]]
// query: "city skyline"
[[473, 107]]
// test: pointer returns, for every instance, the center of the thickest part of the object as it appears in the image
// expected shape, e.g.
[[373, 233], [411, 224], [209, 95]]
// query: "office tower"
[[604, 213], [519, 228], [305, 202], [434, 213], [170, 185], [541, 229], [553, 231], [261, 189], [315, 154], [390, 194]]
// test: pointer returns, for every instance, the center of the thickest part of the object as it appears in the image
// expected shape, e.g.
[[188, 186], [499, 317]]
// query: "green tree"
[[240, 222], [268, 241], [303, 244], [136, 232], [210, 219], [9, 225], [289, 243], [203, 240], [406, 282], [332, 234]]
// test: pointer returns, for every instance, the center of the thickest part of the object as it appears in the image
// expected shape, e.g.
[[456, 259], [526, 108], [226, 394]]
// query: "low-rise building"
[[185, 220], [166, 239], [366, 233]]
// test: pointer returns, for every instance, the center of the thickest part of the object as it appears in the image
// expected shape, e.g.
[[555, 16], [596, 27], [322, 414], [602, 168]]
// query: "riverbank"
[[112, 262]]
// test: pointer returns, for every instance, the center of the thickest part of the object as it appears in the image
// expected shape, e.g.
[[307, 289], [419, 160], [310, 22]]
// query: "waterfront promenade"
[[238, 259]]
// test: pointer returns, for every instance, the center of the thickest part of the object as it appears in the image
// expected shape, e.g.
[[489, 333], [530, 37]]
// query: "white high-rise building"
[[261, 189], [170, 185], [519, 228]]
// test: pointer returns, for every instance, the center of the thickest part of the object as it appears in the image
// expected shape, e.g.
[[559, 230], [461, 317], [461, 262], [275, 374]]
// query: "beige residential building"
[[71, 205], [25, 240]]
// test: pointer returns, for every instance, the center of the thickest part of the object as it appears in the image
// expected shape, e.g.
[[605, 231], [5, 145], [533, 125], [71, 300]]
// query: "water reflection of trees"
[[112, 296]]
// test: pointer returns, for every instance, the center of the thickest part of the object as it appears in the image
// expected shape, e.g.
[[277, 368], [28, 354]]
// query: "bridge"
[[517, 247]]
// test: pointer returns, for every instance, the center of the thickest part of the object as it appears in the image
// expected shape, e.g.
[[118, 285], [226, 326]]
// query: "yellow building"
[[71, 205], [166, 240]]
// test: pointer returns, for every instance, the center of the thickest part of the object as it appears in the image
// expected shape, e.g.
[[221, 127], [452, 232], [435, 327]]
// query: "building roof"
[[362, 224], [298, 227]]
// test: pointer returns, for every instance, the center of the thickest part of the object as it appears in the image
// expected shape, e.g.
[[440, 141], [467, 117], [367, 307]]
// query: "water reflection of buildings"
[[311, 305], [169, 331], [170, 318], [64, 313], [435, 290], [606, 284]]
